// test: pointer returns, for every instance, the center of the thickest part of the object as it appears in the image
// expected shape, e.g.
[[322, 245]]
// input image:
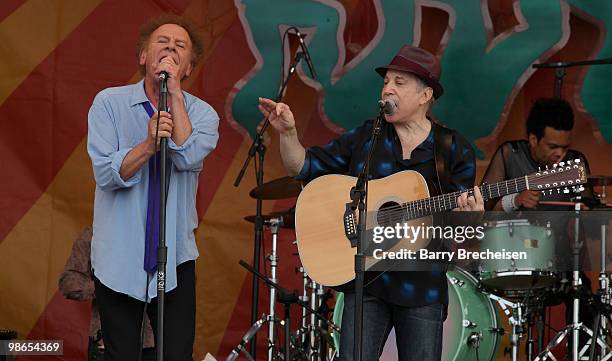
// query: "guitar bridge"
[[350, 224]]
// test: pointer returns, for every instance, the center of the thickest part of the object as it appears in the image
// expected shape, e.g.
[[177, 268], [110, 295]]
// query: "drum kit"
[[522, 289]]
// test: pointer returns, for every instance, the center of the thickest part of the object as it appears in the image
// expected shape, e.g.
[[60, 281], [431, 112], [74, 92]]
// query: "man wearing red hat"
[[414, 303]]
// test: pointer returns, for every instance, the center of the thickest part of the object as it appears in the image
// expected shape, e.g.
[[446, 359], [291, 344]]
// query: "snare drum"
[[535, 271], [471, 316]]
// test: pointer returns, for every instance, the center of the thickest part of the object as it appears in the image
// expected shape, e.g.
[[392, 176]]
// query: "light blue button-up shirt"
[[117, 123]]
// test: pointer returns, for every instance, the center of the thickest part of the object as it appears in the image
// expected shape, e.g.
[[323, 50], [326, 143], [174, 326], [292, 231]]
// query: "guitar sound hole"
[[389, 214]]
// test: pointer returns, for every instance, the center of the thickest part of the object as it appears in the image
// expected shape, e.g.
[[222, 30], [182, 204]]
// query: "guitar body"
[[325, 251]]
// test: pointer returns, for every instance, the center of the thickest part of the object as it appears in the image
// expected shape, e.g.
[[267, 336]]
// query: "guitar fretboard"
[[424, 207]]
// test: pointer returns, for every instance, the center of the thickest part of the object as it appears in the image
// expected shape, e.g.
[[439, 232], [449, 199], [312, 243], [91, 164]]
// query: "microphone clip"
[[306, 54]]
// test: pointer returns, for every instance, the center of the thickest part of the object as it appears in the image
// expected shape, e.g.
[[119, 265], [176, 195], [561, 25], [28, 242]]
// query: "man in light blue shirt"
[[121, 144]]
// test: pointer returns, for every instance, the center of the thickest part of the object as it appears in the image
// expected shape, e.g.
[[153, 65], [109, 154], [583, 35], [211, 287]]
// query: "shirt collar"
[[138, 95]]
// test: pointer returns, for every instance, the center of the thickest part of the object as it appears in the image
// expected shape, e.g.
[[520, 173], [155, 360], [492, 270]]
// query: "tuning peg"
[[562, 164], [566, 190], [539, 169], [577, 160]]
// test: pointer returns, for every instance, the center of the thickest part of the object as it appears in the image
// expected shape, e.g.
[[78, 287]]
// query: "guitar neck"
[[445, 202]]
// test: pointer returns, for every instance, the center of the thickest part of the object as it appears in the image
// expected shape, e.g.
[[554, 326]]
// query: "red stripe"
[[9, 6], [63, 320], [361, 27], [46, 116]]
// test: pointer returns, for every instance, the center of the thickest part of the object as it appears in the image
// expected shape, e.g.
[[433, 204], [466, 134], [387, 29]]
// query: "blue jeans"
[[418, 330]]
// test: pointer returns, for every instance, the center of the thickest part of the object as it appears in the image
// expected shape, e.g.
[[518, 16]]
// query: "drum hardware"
[[286, 298], [305, 297], [604, 308], [597, 337], [317, 341], [514, 312], [600, 181], [273, 223], [273, 257], [286, 218], [311, 334]]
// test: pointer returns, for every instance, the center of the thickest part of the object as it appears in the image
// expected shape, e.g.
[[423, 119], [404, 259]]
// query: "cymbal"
[[287, 217], [599, 180], [280, 188]]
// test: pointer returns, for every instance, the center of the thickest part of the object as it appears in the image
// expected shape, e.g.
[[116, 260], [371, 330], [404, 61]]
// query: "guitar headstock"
[[561, 175]]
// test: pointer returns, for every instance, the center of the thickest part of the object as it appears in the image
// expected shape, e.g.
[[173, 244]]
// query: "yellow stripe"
[[37, 248], [32, 32]]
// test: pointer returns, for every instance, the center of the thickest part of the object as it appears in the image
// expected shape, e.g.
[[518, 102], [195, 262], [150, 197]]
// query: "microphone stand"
[[258, 147], [356, 235], [161, 248], [560, 67]]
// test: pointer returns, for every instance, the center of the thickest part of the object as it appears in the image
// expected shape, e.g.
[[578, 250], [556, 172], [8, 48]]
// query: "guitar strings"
[[422, 207]]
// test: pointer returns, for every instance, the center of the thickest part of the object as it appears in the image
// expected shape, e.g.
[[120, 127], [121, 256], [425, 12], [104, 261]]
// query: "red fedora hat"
[[419, 62]]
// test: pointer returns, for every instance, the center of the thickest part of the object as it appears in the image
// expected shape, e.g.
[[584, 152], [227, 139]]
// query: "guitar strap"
[[443, 140]]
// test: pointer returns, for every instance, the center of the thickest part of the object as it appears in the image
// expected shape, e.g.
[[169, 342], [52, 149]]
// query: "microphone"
[[311, 67], [387, 106], [163, 92]]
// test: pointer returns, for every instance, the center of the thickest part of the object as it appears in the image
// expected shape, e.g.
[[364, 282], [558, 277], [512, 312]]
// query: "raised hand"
[[279, 115]]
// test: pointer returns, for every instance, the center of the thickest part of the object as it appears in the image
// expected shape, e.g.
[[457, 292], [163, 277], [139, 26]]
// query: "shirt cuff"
[[179, 148], [305, 172], [118, 158], [508, 202]]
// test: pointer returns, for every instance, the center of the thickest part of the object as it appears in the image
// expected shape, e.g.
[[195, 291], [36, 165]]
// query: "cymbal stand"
[[514, 312], [270, 318], [305, 297], [316, 297], [274, 224]]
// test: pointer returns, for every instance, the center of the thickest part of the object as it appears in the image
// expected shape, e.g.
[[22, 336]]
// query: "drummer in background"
[[549, 135]]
